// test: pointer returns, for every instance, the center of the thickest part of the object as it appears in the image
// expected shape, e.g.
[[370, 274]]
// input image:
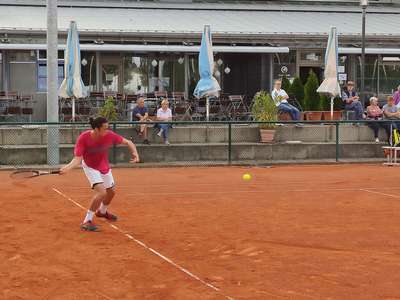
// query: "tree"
[[325, 102], [264, 109], [297, 90], [285, 83], [312, 101], [108, 110]]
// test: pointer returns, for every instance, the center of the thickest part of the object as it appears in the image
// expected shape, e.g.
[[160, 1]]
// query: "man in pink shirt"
[[91, 150]]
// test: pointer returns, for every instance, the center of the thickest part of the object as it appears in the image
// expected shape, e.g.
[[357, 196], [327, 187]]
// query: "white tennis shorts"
[[95, 177]]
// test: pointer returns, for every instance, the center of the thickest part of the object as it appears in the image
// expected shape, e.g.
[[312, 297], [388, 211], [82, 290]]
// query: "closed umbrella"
[[207, 85], [72, 85], [330, 85]]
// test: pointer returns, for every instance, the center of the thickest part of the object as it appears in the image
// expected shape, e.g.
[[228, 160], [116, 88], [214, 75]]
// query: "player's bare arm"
[[132, 149], [75, 162]]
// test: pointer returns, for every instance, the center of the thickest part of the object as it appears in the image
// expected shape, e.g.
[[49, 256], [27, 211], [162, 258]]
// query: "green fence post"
[[114, 154], [337, 142], [229, 143]]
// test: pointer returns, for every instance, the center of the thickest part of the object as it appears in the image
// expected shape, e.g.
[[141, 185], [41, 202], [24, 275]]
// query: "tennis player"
[[91, 150]]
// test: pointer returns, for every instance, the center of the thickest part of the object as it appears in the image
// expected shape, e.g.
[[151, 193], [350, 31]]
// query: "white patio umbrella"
[[72, 85], [207, 85], [330, 85]]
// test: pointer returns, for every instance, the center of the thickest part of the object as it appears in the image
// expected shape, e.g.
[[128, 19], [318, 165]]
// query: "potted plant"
[[108, 110], [265, 110], [297, 91], [326, 107], [312, 100]]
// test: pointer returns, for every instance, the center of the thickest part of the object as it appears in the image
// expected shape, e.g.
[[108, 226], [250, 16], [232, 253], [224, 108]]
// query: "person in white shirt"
[[164, 113], [280, 98]]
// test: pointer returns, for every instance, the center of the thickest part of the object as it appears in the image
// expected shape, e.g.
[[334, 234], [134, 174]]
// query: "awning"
[[143, 21], [386, 51], [151, 48]]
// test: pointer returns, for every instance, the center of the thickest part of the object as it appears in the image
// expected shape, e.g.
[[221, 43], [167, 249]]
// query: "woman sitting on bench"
[[280, 98]]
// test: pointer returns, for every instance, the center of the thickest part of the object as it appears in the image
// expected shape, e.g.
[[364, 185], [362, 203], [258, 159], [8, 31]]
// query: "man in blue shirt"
[[140, 113], [352, 101]]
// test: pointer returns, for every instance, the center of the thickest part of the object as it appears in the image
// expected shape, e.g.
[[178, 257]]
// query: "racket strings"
[[24, 174]]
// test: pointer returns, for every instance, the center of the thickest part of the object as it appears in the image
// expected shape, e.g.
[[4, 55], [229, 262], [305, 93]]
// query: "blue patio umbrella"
[[207, 86], [72, 85], [330, 85]]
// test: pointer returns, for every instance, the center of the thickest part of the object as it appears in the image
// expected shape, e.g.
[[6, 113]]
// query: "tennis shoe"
[[107, 215], [89, 226]]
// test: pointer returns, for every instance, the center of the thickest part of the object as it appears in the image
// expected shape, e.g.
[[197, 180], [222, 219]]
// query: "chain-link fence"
[[201, 143]]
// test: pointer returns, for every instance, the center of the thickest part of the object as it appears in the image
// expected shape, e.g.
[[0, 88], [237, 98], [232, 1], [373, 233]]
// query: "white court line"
[[129, 236], [253, 183], [244, 191], [379, 193]]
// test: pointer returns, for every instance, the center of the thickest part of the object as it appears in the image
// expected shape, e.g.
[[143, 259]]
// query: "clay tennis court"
[[292, 232]]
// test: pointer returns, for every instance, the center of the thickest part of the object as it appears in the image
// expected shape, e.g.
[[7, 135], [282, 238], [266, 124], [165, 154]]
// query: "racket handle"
[[55, 172]]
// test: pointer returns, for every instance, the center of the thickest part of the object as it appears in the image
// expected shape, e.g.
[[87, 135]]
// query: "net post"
[[230, 142]]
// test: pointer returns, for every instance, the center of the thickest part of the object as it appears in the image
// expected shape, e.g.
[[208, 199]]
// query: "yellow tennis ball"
[[246, 177]]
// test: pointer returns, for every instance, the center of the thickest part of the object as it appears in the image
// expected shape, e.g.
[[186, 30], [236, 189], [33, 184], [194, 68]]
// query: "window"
[[371, 73], [284, 64], [144, 74], [42, 74], [42, 70], [88, 69], [389, 74], [22, 56]]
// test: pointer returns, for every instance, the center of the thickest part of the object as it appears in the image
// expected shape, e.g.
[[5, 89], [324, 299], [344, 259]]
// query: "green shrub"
[[297, 90], [325, 102], [108, 110], [312, 101], [264, 109], [337, 104]]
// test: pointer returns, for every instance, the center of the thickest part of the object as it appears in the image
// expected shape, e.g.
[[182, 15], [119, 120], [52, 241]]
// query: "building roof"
[[223, 22]]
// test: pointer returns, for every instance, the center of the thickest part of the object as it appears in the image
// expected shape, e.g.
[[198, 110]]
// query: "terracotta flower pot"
[[337, 115], [314, 115], [267, 135]]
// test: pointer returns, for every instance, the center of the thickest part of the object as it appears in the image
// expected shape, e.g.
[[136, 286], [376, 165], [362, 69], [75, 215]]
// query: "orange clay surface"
[[292, 232]]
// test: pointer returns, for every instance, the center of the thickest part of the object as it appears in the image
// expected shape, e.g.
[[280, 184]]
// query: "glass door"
[[111, 73]]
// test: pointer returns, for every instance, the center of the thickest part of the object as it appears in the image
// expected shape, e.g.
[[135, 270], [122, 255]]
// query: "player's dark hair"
[[97, 122]]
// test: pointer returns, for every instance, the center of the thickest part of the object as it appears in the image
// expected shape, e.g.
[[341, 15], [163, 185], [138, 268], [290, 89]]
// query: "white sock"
[[89, 216], [103, 208]]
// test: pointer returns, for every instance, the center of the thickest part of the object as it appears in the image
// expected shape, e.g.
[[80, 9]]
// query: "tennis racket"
[[25, 174]]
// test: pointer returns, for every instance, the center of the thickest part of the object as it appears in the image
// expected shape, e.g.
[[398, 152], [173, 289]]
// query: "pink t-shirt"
[[95, 151]]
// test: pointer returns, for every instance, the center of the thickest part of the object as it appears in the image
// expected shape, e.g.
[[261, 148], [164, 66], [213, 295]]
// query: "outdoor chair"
[[159, 94], [178, 95], [110, 94], [27, 112], [237, 109], [152, 105], [199, 110], [27, 103], [14, 110], [131, 97], [3, 105], [66, 114]]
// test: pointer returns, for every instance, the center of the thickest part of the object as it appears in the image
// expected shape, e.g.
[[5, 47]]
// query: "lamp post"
[[364, 4]]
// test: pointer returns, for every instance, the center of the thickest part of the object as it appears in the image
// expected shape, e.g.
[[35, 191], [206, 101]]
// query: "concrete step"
[[327, 133], [34, 135], [36, 154]]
